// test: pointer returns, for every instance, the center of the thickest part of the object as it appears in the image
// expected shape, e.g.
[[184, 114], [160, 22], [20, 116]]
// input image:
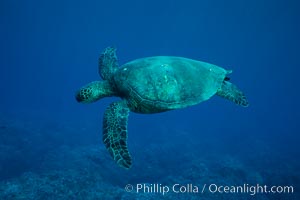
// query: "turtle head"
[[94, 91]]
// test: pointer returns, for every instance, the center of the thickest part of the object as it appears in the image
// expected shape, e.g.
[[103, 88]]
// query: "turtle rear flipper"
[[115, 133], [108, 63], [231, 92]]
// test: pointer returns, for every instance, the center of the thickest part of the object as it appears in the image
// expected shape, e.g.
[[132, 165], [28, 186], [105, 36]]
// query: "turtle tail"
[[231, 92]]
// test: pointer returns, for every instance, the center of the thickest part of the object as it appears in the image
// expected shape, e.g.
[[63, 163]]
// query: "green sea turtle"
[[152, 85]]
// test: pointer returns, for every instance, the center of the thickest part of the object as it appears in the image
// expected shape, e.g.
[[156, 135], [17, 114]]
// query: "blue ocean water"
[[51, 146]]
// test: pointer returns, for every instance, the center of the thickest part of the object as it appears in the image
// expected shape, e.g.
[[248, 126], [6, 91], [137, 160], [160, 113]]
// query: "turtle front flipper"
[[108, 63], [115, 133], [231, 92]]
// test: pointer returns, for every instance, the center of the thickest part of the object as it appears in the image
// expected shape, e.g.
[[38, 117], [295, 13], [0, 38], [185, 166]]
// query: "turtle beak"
[[79, 97]]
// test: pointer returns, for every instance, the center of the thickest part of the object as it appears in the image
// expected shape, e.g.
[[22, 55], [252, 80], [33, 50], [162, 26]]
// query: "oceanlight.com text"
[[208, 188]]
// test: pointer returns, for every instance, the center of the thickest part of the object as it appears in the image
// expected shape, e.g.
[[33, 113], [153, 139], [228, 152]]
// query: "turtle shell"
[[161, 83]]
